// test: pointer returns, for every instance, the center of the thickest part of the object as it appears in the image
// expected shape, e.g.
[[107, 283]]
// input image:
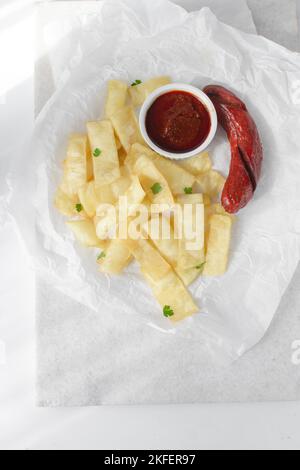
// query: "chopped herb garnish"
[[156, 188], [101, 256], [200, 267], [79, 207], [97, 153], [168, 312], [137, 82], [188, 190]]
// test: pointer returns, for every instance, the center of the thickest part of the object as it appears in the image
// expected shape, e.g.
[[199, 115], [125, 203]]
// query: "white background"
[[22, 426]]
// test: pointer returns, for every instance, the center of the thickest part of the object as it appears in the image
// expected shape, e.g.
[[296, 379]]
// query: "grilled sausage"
[[246, 148]]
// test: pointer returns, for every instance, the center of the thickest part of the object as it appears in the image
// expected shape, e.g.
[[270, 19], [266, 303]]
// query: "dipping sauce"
[[178, 122]]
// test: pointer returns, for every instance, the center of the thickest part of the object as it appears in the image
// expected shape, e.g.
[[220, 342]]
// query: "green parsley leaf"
[[156, 188], [200, 267], [97, 153], [188, 190], [168, 312], [101, 256], [137, 82], [79, 207]]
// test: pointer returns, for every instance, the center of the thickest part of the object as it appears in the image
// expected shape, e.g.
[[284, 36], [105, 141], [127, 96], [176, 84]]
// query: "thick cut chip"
[[197, 165], [219, 209], [106, 221], [137, 151], [115, 258], [211, 183], [122, 185], [105, 194], [107, 216], [116, 97], [89, 199], [149, 259], [153, 183], [126, 127], [178, 178], [66, 204], [135, 195], [191, 237], [218, 246], [190, 199], [139, 93], [166, 285], [104, 152], [188, 276], [160, 231], [85, 233], [75, 165], [92, 196], [214, 209], [110, 193], [171, 292]]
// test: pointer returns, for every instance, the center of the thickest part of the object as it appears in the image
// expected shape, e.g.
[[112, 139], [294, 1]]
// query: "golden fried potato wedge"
[[126, 127], [211, 183], [218, 246], [116, 97], [115, 258], [75, 165], [197, 165], [85, 233], [178, 178], [139, 92], [104, 152]]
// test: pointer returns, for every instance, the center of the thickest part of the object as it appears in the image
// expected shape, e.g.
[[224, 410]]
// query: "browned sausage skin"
[[246, 148]]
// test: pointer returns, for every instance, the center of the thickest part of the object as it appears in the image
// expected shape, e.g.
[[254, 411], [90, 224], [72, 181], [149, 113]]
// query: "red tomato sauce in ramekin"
[[178, 122]]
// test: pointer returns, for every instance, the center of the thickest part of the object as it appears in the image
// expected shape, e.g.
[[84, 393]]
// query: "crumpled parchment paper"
[[68, 36], [236, 309]]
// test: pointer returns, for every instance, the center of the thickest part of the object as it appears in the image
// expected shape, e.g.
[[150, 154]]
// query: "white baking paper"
[[64, 36], [235, 310]]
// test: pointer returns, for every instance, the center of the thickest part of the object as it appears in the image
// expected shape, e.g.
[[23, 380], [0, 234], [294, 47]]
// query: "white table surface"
[[22, 426]]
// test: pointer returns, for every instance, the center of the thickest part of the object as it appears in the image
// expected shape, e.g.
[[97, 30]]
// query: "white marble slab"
[[266, 373]]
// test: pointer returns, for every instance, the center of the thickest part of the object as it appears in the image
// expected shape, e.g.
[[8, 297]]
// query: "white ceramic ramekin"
[[198, 94]]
